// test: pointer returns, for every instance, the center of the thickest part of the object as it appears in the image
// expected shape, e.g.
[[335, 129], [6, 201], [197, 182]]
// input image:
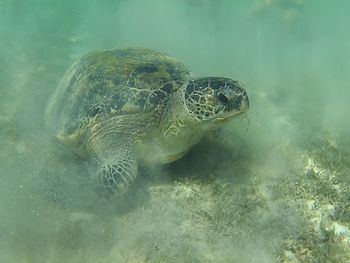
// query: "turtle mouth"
[[227, 116], [236, 109], [227, 112]]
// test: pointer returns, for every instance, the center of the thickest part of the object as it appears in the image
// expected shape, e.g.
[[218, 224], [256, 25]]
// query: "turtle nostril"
[[222, 98], [238, 100], [241, 101]]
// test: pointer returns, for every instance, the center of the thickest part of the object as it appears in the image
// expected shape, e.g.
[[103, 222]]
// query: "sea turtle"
[[123, 108]]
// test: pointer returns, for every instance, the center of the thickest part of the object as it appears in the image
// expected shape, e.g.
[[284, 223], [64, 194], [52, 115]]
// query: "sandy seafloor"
[[275, 189]]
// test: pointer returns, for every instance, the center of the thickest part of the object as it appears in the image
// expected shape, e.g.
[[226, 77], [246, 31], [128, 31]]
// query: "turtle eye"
[[223, 98]]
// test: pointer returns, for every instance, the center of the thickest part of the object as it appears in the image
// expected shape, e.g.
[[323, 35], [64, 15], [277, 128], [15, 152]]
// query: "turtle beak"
[[241, 101], [234, 101]]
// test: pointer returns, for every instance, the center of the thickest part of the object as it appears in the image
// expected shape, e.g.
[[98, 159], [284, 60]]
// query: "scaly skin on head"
[[216, 99], [198, 107]]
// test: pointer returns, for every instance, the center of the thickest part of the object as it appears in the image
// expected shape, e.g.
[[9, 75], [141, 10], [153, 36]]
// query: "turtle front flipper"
[[116, 173]]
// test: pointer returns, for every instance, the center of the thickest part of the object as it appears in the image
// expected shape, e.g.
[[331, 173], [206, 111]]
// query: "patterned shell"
[[114, 82]]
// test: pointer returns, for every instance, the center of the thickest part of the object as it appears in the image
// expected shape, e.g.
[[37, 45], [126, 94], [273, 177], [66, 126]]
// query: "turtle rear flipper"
[[116, 174]]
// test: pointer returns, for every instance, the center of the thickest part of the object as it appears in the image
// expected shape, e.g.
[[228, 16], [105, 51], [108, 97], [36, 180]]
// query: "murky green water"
[[275, 190]]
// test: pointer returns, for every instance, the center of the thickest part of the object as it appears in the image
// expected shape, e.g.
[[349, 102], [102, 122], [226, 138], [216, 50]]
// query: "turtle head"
[[216, 99]]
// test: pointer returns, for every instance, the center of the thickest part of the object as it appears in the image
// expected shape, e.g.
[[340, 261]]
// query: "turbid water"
[[275, 189]]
